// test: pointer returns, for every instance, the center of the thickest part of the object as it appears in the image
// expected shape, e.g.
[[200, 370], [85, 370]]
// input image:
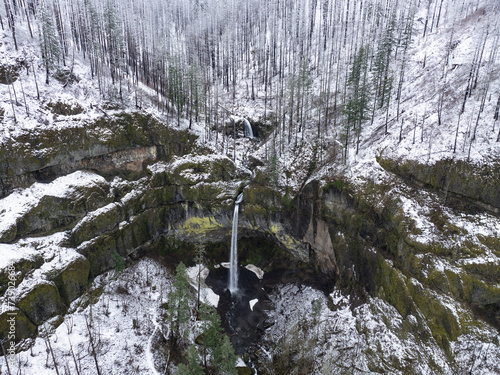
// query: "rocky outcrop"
[[459, 182], [376, 252], [112, 145], [15, 323], [71, 279], [10, 69], [356, 235], [40, 302]]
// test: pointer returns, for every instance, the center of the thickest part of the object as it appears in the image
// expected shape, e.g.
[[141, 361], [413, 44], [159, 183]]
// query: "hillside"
[[371, 187]]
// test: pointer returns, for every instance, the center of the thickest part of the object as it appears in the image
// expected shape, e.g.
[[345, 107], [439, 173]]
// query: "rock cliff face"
[[163, 194], [109, 146]]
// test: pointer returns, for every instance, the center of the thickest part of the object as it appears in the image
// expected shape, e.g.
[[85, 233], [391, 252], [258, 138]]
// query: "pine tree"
[[211, 327]]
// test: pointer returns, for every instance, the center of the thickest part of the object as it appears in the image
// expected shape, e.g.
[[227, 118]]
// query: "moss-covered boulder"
[[97, 222], [41, 302], [10, 69], [21, 266], [64, 108], [71, 280], [15, 327]]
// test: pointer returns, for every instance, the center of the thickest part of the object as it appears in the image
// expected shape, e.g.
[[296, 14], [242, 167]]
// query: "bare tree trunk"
[[49, 346], [10, 18], [92, 344], [5, 357]]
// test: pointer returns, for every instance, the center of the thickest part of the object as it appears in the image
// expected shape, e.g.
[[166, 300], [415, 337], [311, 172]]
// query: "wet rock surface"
[[245, 325]]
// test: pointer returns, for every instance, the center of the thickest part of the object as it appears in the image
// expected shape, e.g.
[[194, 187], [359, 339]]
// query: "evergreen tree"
[[211, 327], [193, 366], [49, 42], [178, 303], [217, 343], [359, 96], [224, 357], [118, 262]]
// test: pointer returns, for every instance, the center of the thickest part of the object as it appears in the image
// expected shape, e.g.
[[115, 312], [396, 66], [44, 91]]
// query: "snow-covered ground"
[[122, 314], [125, 315], [337, 337]]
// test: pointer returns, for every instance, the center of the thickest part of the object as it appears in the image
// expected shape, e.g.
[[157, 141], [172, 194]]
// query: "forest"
[[357, 140], [321, 69]]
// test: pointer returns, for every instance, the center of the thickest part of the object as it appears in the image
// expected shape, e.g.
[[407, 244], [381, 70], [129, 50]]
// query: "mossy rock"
[[22, 329], [72, 280], [488, 271], [464, 181], [392, 288], [207, 194], [41, 302], [198, 169], [51, 213], [65, 109], [65, 76], [22, 267], [46, 154], [482, 293], [9, 235], [105, 220], [10, 70], [243, 370], [99, 253], [440, 319], [168, 194], [491, 242]]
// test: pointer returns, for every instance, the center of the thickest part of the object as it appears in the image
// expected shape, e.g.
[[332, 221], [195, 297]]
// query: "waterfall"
[[233, 268], [248, 129]]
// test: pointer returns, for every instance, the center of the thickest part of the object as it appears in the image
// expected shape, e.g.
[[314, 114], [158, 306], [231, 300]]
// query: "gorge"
[[344, 156]]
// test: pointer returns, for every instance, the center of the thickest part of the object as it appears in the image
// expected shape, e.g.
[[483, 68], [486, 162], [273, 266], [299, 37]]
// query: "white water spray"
[[233, 268], [248, 129]]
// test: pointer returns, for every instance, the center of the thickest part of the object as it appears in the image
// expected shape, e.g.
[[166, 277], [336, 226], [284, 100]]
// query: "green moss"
[[104, 221], [439, 318], [433, 247], [489, 271], [469, 249], [24, 328], [200, 225], [479, 183], [72, 280], [392, 287], [440, 220], [99, 254], [491, 242], [22, 266], [206, 194], [41, 303], [338, 185], [65, 109], [438, 280]]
